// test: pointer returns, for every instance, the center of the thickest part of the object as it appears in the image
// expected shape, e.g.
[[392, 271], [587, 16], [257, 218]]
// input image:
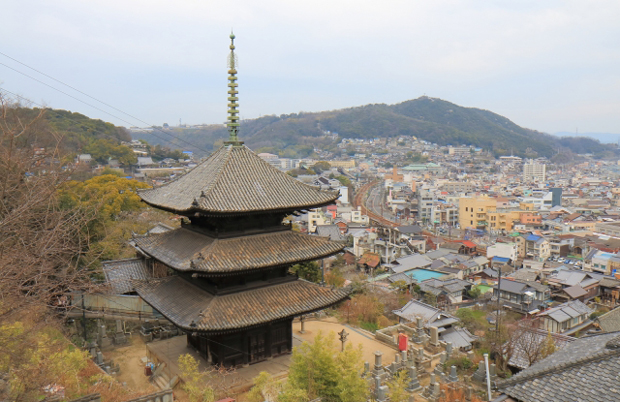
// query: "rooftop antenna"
[[233, 112]]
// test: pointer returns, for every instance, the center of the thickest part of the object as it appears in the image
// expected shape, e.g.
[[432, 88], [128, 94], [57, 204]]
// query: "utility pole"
[[499, 284]]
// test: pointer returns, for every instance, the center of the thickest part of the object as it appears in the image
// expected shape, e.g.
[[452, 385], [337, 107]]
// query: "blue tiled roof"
[[501, 259], [532, 238]]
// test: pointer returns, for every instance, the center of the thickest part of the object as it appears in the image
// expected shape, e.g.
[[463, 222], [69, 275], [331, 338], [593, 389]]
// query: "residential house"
[[504, 250], [447, 292], [574, 285], [537, 247], [601, 262], [521, 296], [410, 262], [566, 318], [609, 290]]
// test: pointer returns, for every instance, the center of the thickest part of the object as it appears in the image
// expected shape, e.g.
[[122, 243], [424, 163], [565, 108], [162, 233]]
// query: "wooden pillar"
[[245, 341], [268, 338], [289, 336], [209, 357]]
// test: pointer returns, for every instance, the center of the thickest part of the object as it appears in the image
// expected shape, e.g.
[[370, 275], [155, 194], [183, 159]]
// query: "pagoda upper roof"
[[188, 250], [234, 180], [192, 308]]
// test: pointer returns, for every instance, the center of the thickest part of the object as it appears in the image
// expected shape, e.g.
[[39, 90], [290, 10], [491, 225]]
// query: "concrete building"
[[473, 212], [460, 151], [458, 187], [426, 198], [503, 250], [533, 171]]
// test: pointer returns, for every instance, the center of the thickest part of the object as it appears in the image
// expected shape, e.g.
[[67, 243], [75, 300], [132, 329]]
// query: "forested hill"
[[430, 119], [71, 133]]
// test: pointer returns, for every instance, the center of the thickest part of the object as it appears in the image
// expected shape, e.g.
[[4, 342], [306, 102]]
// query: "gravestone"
[[481, 374], [449, 348], [99, 359], [434, 336], [453, 376], [493, 372], [119, 336], [382, 392], [419, 359], [414, 383], [428, 391]]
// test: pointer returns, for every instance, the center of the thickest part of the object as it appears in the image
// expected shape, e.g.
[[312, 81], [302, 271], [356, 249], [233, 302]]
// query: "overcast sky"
[[547, 65]]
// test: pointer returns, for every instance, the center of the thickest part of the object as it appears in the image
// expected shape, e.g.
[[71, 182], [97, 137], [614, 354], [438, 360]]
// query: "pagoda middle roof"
[[234, 180], [192, 308], [188, 250]]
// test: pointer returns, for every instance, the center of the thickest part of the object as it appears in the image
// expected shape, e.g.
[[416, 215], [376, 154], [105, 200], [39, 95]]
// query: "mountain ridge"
[[431, 119]]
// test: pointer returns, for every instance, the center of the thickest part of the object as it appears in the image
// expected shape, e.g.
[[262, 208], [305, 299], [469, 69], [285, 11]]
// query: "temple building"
[[226, 279]]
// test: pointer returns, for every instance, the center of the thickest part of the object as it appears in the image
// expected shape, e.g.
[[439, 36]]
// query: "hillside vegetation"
[[70, 133], [430, 119]]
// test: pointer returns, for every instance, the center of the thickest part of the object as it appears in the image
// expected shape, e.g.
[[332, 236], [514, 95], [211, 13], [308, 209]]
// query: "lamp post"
[[343, 338]]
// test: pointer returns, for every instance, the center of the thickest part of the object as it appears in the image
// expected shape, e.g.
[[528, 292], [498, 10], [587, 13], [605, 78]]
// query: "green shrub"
[[461, 364], [369, 326]]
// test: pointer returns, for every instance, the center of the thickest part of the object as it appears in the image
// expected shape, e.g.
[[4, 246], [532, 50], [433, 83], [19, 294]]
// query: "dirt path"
[[132, 367]]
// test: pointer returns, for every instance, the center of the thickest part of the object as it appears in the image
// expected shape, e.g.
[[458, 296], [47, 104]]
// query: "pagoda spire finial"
[[233, 105]]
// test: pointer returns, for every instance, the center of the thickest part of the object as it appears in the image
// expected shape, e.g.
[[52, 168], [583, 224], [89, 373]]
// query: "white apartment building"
[[503, 250], [460, 151], [534, 171]]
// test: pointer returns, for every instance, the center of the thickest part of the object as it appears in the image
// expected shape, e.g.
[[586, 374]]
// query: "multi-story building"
[[473, 212], [442, 214], [458, 187], [502, 220], [533, 171], [426, 199], [460, 151], [533, 247]]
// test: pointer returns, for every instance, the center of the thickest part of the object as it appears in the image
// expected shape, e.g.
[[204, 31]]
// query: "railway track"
[[359, 201]]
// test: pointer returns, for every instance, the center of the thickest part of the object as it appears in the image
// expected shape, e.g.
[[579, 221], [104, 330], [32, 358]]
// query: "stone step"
[[161, 383], [165, 377]]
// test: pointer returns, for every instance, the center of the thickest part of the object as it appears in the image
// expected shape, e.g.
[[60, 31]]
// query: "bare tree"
[[39, 241], [528, 344]]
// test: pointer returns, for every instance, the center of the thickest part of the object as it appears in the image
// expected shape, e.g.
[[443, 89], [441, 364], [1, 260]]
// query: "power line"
[[65, 117], [91, 105]]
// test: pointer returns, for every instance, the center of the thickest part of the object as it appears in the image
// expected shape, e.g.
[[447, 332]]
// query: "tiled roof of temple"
[[119, 273], [194, 309], [234, 180], [188, 250]]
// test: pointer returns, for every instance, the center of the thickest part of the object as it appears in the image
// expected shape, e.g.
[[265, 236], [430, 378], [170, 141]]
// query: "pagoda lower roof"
[[188, 250], [194, 309], [234, 180]]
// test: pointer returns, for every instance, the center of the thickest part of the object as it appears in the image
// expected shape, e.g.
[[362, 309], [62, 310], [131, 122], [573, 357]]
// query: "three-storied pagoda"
[[230, 289]]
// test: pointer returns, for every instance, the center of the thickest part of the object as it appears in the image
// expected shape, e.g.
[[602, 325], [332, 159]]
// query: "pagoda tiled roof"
[[194, 309], [234, 180], [188, 250]]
